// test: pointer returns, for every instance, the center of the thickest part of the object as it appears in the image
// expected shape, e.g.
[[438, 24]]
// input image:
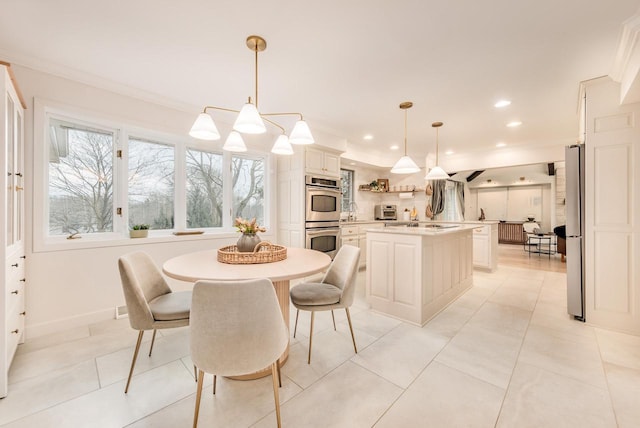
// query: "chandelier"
[[405, 164], [251, 121]]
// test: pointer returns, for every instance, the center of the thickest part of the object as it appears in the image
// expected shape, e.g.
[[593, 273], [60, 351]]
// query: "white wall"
[[74, 287]]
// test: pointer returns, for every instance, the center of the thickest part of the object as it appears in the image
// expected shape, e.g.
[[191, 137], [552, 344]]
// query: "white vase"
[[247, 242]]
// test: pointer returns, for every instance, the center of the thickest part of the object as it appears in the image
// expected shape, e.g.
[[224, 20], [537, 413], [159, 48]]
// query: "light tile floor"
[[505, 354]]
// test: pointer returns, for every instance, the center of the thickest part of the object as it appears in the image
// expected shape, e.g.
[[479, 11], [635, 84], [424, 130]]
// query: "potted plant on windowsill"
[[139, 231]]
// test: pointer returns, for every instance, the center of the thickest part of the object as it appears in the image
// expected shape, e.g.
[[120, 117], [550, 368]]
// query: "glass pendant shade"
[[301, 134], [204, 128], [405, 165], [249, 121], [437, 173], [282, 146], [234, 143]]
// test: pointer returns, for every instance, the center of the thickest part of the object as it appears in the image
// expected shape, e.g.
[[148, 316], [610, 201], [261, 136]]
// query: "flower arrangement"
[[246, 226]]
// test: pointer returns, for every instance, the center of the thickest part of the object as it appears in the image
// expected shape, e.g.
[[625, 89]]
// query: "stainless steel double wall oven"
[[322, 214]]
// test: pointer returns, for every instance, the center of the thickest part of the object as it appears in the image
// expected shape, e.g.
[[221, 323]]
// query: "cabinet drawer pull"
[[23, 279], [14, 265], [16, 331], [14, 292], [18, 188], [23, 257], [23, 313]]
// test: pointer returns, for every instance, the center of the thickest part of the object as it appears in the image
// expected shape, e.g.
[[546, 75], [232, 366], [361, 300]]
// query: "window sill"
[[89, 242]]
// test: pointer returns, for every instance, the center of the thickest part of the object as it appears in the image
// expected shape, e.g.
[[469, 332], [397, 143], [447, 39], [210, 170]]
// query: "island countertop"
[[428, 229]]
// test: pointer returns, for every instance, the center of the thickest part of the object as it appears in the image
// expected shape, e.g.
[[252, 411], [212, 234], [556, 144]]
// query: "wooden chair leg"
[[310, 337], [195, 373], [295, 328], [279, 375], [198, 396], [215, 378], [133, 362], [276, 397], [353, 338], [334, 320], [153, 340]]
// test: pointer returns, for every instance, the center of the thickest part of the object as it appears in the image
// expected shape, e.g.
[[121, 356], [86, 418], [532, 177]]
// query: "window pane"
[[204, 189], [248, 188], [80, 179], [151, 184], [347, 188]]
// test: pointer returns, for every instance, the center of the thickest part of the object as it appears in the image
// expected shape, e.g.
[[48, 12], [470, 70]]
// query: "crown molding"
[[626, 64]]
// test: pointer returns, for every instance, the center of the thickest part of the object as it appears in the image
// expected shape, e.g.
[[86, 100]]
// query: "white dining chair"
[[151, 305], [236, 328], [336, 290]]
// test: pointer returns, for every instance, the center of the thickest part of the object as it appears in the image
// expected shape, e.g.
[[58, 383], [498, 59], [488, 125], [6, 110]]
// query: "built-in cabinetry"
[[356, 235], [13, 280], [485, 246], [324, 162]]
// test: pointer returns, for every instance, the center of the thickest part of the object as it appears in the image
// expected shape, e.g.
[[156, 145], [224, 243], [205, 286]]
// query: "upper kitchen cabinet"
[[12, 282], [323, 162]]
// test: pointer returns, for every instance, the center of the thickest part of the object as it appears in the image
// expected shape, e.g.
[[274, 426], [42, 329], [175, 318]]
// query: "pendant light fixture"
[[437, 173], [405, 165], [250, 120]]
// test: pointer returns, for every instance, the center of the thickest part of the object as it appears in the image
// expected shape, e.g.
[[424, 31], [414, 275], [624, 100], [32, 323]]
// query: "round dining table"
[[204, 265]]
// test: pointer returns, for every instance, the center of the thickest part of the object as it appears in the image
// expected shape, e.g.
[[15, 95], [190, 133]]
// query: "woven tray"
[[265, 252]]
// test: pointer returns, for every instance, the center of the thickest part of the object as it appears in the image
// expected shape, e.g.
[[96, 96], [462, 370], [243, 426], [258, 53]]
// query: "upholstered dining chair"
[[151, 304], [335, 291], [236, 328]]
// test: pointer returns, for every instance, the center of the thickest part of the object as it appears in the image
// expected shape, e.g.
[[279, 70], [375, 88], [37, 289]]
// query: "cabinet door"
[[314, 161], [362, 243], [480, 251], [331, 164]]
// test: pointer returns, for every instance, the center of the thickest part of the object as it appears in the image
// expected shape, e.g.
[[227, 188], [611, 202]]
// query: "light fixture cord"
[[437, 146], [405, 132], [255, 49]]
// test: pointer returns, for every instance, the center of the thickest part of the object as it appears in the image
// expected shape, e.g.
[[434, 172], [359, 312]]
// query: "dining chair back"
[[236, 328]]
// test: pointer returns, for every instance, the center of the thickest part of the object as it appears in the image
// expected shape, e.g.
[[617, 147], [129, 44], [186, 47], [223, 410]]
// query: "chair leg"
[[215, 379], [195, 373], [310, 337], [153, 340], [296, 326], [353, 338], [279, 375], [334, 320], [198, 396], [133, 362], [276, 397]]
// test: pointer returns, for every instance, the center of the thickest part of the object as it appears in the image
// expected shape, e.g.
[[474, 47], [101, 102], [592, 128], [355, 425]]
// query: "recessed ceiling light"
[[394, 147], [514, 124], [352, 163], [449, 152], [368, 137], [501, 144], [502, 103]]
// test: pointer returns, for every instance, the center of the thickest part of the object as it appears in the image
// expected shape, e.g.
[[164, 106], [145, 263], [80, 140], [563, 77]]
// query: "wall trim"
[[59, 325]]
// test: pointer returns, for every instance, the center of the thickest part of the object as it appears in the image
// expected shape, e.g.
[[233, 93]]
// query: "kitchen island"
[[415, 272]]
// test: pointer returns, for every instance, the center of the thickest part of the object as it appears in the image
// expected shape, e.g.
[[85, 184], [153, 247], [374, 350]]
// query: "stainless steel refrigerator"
[[574, 162]]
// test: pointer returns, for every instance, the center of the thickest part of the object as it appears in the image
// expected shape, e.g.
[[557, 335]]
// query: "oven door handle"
[[323, 232], [325, 189]]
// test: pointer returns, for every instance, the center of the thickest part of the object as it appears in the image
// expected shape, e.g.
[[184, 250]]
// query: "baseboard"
[[41, 329]]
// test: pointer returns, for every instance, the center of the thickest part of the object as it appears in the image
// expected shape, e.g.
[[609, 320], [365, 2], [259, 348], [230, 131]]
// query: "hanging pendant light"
[[437, 173], [250, 120], [405, 165]]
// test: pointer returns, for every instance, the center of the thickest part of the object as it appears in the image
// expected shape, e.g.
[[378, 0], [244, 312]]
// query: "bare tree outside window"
[[248, 188], [346, 178], [80, 179], [151, 184], [204, 189]]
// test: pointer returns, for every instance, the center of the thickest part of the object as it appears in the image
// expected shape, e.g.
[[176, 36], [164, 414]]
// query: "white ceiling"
[[345, 64]]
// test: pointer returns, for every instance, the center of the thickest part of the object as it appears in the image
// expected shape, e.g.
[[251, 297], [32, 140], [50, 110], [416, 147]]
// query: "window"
[[99, 178], [204, 189], [248, 188], [80, 179], [346, 176], [151, 184]]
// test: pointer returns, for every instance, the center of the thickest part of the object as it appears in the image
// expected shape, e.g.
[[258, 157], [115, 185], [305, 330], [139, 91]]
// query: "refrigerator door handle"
[[575, 281]]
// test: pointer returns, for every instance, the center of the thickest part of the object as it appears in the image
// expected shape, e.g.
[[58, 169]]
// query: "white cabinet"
[[485, 246], [322, 162], [356, 235], [13, 280]]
